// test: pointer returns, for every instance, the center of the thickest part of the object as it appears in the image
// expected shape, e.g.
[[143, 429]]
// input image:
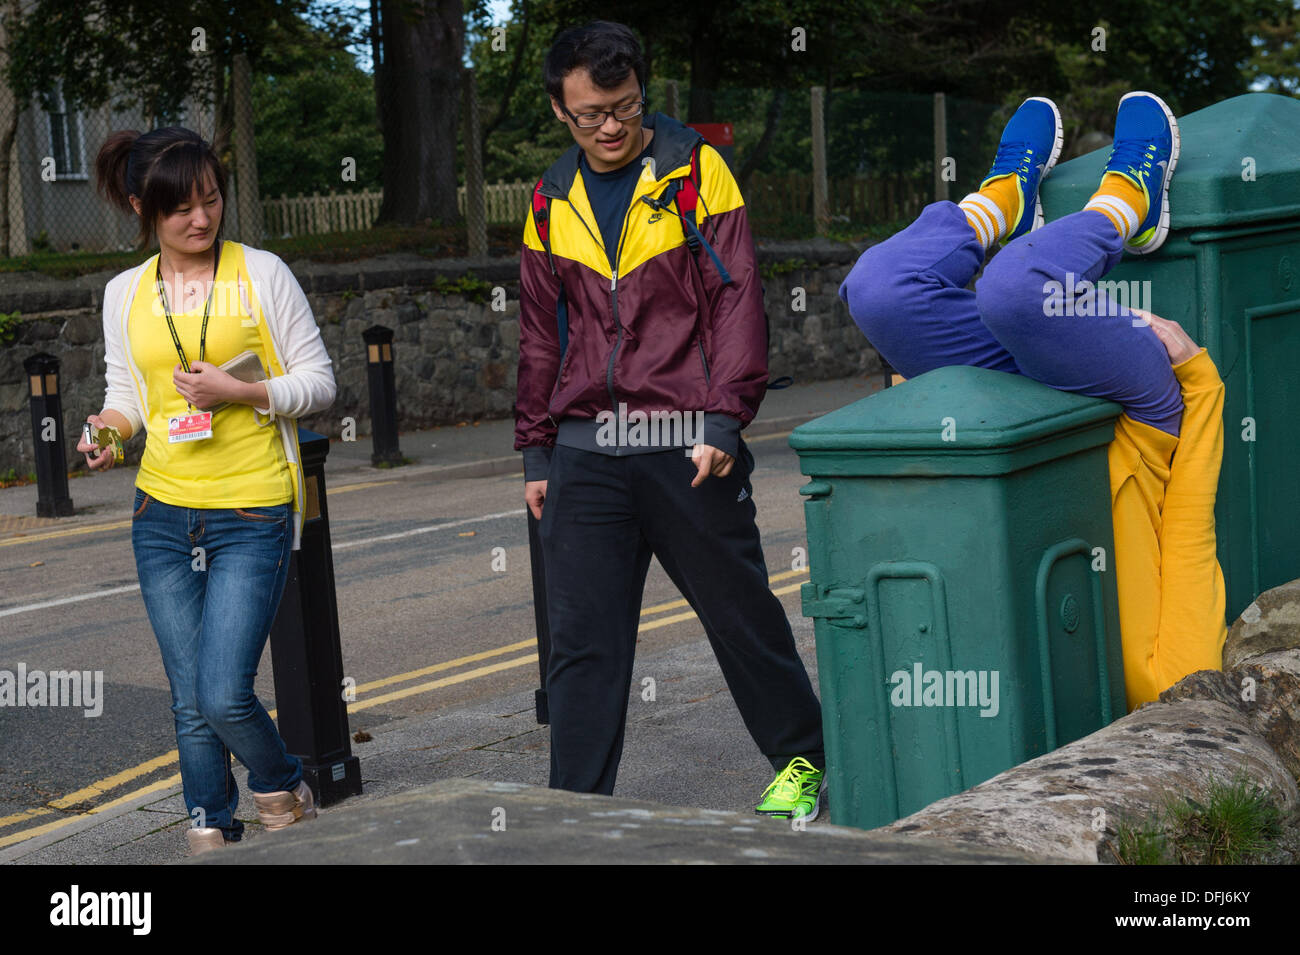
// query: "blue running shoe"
[[1145, 153], [1030, 144]]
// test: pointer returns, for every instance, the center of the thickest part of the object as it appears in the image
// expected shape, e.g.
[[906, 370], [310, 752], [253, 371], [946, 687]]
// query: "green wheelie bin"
[[961, 583]]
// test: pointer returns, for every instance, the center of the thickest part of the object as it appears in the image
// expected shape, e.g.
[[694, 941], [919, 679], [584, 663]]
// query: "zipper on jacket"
[[704, 361], [613, 293], [613, 297]]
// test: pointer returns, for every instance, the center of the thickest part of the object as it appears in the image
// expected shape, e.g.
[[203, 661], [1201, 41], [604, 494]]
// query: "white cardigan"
[[306, 386]]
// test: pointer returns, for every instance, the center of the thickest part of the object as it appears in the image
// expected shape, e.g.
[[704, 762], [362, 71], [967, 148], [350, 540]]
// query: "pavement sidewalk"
[[687, 747], [478, 449], [465, 785]]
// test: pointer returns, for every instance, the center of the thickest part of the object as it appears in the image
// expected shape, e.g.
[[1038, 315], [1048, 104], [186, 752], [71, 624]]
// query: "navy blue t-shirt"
[[611, 194]]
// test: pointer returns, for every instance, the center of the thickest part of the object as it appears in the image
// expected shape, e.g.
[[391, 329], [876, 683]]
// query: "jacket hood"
[[670, 149]]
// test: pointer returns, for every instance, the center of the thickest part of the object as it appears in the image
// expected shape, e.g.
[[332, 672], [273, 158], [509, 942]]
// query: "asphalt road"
[[429, 618]]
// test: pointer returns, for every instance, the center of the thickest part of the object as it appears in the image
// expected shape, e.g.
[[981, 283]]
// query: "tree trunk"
[[704, 71], [249, 198], [418, 93], [512, 82], [759, 152], [9, 110]]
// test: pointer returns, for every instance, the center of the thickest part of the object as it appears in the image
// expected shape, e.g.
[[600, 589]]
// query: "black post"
[[539, 616], [306, 657], [888, 372], [52, 498], [383, 395]]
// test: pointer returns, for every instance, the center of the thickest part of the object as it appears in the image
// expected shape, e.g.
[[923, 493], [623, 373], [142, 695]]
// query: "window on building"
[[67, 139]]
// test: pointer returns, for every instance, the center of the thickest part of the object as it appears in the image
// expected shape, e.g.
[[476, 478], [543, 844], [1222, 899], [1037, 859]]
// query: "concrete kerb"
[[343, 475], [513, 464], [89, 820]]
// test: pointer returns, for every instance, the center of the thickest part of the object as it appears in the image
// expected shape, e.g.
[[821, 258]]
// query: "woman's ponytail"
[[111, 167]]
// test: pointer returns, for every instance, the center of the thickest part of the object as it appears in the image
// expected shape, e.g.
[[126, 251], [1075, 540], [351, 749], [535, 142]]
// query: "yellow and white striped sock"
[[1121, 201], [989, 210]]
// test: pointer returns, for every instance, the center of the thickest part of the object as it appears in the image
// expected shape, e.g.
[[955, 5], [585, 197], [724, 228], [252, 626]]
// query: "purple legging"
[[908, 295]]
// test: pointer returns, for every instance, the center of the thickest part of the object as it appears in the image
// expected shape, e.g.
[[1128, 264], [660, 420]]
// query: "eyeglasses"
[[592, 120]]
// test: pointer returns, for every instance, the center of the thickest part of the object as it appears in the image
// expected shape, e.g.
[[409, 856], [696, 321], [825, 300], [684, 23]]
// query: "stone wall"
[[455, 358], [1212, 728]]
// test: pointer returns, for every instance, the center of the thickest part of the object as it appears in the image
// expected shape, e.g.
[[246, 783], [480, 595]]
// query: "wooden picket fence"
[[317, 214], [860, 200], [506, 202], [784, 197]]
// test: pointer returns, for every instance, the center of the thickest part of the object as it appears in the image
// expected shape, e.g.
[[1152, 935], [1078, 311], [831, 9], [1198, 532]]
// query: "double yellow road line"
[[72, 801]]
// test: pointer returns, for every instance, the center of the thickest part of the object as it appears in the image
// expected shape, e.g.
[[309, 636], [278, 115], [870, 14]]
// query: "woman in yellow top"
[[218, 495], [1036, 311]]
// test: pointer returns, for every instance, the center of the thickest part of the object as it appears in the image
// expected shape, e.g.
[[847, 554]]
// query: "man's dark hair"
[[608, 51]]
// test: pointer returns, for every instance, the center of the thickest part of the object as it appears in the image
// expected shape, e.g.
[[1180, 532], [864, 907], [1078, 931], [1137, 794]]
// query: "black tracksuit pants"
[[602, 519]]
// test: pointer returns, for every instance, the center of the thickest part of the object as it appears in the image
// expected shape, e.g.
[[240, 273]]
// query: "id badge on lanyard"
[[196, 425], [189, 427]]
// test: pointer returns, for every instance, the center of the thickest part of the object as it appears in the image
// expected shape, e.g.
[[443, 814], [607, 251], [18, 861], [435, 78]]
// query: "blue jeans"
[[908, 295], [211, 612]]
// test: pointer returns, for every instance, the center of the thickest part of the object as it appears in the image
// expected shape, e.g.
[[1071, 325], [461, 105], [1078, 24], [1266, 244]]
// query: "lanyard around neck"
[[171, 326]]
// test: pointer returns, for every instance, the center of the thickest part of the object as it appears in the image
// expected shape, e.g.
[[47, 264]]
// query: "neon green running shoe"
[[795, 793]]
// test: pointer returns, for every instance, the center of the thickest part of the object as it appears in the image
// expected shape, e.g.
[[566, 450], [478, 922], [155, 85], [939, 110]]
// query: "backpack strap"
[[542, 220], [686, 192]]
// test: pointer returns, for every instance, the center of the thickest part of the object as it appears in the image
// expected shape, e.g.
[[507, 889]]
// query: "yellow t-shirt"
[[243, 463]]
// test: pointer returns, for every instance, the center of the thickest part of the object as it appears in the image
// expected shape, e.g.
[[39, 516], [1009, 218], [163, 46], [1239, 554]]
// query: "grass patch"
[[1238, 823], [389, 464], [12, 478], [9, 322], [430, 241], [771, 270], [469, 285]]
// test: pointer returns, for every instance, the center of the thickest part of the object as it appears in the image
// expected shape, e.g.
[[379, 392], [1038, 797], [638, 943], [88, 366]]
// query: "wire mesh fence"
[[880, 168], [51, 201], [51, 204]]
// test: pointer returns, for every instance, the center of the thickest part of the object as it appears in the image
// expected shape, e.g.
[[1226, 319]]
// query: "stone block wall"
[[455, 358]]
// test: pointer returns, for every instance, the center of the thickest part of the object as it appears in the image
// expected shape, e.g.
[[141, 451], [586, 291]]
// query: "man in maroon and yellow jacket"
[[641, 358]]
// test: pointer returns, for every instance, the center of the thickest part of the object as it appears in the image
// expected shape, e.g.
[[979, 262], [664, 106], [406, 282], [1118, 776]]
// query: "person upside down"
[[908, 294]]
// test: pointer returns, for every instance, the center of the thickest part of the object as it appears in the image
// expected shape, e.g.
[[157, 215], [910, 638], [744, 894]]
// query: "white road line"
[[339, 546], [69, 600], [428, 529]]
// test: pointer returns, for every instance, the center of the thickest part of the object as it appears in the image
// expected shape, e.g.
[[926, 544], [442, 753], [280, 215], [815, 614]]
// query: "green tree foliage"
[[527, 138], [1193, 53], [145, 54], [307, 120], [1274, 66], [1084, 54]]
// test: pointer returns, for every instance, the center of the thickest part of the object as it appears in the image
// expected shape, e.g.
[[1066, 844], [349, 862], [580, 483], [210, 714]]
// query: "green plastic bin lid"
[[960, 410], [1239, 162]]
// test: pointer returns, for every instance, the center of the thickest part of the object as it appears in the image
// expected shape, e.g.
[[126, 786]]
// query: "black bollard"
[[52, 498], [306, 657], [539, 617], [383, 395]]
